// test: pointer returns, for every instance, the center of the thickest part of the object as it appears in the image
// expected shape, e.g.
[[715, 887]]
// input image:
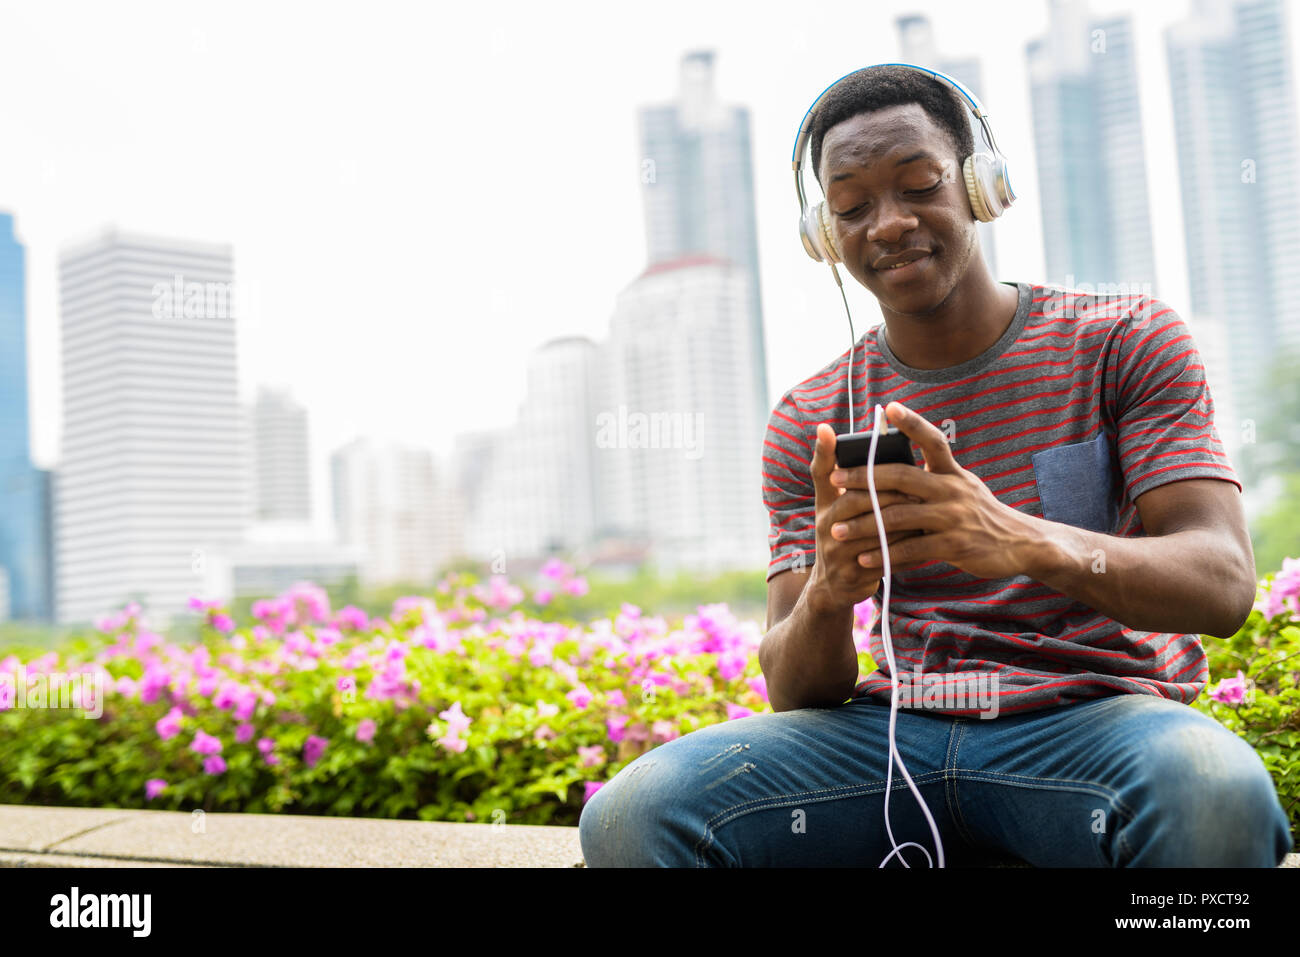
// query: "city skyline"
[[299, 330], [668, 139]]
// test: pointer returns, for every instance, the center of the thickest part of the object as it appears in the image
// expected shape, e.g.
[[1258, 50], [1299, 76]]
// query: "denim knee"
[[1205, 800], [638, 818]]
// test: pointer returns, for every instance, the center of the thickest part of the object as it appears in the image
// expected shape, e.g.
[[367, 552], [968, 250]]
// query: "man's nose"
[[891, 220]]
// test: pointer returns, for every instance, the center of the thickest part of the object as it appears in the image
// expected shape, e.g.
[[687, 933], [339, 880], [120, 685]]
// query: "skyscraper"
[[529, 487], [1234, 104], [677, 458], [916, 45], [154, 472], [1088, 140], [698, 188], [282, 463], [24, 490], [386, 501]]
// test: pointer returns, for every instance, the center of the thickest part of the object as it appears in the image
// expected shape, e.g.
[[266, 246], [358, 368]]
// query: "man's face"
[[894, 189]]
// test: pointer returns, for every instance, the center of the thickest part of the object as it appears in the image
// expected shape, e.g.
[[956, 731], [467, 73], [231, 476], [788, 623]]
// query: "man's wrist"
[[1048, 551], [820, 603]]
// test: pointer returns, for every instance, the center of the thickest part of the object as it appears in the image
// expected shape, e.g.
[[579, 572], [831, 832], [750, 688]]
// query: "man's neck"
[[965, 325]]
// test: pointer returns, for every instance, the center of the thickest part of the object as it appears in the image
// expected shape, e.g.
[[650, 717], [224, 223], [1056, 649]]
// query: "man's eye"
[[911, 192]]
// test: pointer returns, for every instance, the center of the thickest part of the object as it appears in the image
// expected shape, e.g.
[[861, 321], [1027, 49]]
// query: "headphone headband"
[[989, 184]]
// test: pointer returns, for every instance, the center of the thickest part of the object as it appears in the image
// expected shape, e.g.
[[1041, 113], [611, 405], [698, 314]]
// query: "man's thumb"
[[823, 463]]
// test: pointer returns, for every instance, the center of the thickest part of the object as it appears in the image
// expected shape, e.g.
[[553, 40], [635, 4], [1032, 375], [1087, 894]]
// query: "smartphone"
[[853, 448]]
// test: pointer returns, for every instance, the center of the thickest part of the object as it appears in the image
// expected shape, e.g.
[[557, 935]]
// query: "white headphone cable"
[[886, 638]]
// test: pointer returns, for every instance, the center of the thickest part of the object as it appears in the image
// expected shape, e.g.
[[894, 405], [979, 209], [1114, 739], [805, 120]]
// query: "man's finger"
[[933, 443]]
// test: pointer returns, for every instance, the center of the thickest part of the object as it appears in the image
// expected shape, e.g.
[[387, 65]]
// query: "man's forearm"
[[1189, 581], [808, 658]]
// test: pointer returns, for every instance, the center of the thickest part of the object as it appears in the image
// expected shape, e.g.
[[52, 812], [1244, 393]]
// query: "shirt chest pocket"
[[1077, 484]]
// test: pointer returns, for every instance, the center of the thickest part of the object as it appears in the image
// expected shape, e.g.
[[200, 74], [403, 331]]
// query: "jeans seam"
[[950, 768], [1109, 793], [796, 797]]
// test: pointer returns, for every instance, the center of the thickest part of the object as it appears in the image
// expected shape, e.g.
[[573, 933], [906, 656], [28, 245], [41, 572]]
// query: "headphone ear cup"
[[823, 218], [816, 236], [975, 189]]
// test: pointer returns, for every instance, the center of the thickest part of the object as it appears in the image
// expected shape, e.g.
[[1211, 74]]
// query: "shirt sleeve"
[[1166, 429], [788, 491]]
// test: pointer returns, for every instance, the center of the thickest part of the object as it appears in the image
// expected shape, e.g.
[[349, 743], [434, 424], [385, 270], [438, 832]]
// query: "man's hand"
[[963, 522], [845, 529]]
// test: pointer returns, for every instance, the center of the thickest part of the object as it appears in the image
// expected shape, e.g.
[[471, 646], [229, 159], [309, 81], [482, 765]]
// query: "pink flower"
[[615, 725], [154, 787], [244, 733], [169, 725], [731, 664], [555, 569], [758, 684], [222, 623], [455, 718], [205, 743], [312, 749], [227, 694], [351, 617], [366, 730], [543, 596], [544, 733], [1283, 593], [245, 704], [592, 788], [215, 764], [616, 699], [1230, 690], [590, 757], [266, 745], [664, 731], [735, 711], [545, 710], [576, 586], [580, 697], [453, 743]]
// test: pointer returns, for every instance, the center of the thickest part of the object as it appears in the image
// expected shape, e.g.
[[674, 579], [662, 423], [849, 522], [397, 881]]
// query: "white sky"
[[419, 194]]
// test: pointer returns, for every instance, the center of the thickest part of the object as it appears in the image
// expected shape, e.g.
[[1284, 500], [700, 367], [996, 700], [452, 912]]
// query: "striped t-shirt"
[[1083, 404]]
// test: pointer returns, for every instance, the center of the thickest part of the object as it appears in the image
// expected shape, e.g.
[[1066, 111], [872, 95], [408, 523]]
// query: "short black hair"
[[890, 85]]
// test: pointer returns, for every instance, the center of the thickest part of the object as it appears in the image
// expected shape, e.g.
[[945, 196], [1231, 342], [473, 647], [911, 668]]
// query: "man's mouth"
[[906, 271]]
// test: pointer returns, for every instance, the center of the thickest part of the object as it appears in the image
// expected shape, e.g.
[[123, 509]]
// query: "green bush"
[[1255, 684]]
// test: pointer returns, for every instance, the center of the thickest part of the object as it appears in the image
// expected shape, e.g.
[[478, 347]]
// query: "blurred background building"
[[390, 504], [26, 552], [282, 458], [697, 185], [1088, 142], [689, 482], [1232, 84], [153, 472]]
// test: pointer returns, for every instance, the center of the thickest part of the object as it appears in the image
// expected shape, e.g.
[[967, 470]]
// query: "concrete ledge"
[[89, 837], [68, 837]]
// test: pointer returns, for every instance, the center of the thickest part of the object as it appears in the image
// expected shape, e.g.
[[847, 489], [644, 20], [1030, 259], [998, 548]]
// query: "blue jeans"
[[1123, 781]]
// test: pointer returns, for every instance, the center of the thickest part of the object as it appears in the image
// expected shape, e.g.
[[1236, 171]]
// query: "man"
[[1074, 528]]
